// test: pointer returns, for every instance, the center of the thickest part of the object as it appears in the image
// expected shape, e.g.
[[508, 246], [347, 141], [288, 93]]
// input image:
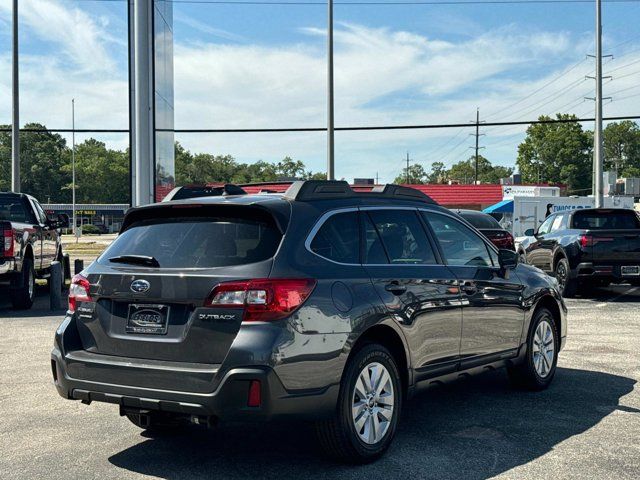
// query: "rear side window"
[[198, 242], [606, 220], [338, 238], [12, 210], [400, 237], [461, 245]]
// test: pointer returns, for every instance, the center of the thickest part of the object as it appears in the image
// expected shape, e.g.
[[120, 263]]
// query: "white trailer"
[[530, 212]]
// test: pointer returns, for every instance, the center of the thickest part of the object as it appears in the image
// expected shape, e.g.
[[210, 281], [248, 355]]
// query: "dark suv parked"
[[320, 304]]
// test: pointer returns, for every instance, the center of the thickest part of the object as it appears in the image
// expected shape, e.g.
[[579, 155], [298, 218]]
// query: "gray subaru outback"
[[320, 304]]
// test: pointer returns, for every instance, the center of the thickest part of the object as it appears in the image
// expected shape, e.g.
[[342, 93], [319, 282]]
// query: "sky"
[[264, 66]]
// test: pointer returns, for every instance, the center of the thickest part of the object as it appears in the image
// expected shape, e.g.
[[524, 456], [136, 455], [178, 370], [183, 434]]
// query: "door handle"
[[470, 288], [395, 288]]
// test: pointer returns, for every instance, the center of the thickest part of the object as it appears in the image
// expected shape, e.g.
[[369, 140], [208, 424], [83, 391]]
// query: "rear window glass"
[[606, 220], [198, 242], [12, 209], [338, 239], [480, 220]]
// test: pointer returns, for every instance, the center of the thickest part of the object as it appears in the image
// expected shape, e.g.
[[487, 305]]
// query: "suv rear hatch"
[[148, 290]]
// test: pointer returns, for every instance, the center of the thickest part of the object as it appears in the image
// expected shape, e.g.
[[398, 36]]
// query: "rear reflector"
[[262, 300], [78, 291], [255, 394]]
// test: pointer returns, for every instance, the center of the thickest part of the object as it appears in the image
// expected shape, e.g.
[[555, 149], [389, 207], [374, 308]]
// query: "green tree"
[[622, 148], [438, 173], [557, 152], [417, 175], [102, 174], [42, 158], [464, 171]]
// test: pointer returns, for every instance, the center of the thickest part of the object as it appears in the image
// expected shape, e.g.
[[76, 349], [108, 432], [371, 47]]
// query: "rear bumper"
[[190, 389], [7, 266], [613, 273]]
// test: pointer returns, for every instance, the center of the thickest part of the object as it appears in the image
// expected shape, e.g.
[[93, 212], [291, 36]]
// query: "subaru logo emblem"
[[140, 286]]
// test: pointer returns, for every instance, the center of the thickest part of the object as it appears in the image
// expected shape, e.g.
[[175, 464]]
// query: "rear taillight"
[[591, 240], [262, 300], [78, 291], [8, 243]]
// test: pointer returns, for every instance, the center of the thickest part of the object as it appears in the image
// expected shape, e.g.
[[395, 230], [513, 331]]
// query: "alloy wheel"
[[372, 403], [561, 275], [543, 349]]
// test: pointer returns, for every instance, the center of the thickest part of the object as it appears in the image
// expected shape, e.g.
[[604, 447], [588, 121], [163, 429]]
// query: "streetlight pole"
[[597, 137], [15, 120], [330, 138], [73, 165]]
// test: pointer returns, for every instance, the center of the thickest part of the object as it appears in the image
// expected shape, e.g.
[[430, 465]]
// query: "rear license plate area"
[[631, 270], [150, 319]]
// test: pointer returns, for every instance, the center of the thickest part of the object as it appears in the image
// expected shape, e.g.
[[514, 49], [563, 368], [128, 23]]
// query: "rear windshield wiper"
[[136, 260]]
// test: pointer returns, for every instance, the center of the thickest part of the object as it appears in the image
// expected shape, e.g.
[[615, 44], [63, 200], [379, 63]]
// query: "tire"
[[23, 293], [339, 436], [568, 285], [537, 371], [156, 422]]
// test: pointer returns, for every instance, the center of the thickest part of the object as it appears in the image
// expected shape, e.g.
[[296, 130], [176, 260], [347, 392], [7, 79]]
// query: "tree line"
[[550, 152]]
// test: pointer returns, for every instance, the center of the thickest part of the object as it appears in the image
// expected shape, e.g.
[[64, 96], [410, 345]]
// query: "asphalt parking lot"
[[587, 425]]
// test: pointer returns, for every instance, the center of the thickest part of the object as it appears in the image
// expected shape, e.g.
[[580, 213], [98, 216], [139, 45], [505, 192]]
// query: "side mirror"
[[508, 258], [63, 220], [529, 232]]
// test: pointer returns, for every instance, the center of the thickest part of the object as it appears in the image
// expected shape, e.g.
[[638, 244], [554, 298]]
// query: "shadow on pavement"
[[473, 429], [40, 306]]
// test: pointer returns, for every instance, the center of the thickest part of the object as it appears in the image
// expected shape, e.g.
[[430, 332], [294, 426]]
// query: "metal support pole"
[[477, 139], [330, 138], [597, 138], [15, 120], [143, 101]]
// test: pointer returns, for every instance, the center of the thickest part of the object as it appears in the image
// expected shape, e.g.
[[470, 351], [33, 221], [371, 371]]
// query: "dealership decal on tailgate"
[[151, 319]]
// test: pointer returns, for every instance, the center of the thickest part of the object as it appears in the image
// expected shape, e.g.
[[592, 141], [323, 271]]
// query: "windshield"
[[196, 242], [480, 220]]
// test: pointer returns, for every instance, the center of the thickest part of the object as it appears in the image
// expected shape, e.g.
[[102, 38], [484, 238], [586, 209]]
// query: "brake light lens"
[[8, 243], [262, 300], [78, 291], [590, 240]]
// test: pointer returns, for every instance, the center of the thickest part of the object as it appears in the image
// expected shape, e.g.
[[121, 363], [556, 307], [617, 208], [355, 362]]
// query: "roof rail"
[[333, 189]]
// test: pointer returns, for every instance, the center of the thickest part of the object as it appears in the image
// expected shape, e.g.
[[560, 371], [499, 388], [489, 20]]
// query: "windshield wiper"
[[136, 260]]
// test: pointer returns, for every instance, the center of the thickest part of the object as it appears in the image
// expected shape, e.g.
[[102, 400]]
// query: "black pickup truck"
[[587, 247], [30, 243]]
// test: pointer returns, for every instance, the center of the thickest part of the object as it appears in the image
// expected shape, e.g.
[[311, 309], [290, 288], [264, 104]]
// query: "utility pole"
[[15, 119], [597, 138], [477, 147], [376, 178], [408, 177], [73, 166], [330, 139]]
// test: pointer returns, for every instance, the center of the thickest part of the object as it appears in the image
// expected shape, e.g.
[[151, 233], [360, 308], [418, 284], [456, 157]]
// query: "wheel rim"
[[31, 283], [561, 275], [543, 349], [372, 403]]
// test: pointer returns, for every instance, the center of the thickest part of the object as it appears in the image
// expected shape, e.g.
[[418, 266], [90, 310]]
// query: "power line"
[[322, 129]]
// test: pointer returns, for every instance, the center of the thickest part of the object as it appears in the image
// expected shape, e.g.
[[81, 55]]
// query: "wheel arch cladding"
[[556, 258], [389, 338]]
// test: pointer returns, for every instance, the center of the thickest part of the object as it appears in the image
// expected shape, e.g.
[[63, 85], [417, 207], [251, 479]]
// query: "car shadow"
[[40, 306], [472, 429]]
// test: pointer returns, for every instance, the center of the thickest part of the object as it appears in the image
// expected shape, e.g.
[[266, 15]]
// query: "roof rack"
[[333, 189]]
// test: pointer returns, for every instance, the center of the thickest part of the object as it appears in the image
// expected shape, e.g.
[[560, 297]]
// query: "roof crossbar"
[[308, 190]]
